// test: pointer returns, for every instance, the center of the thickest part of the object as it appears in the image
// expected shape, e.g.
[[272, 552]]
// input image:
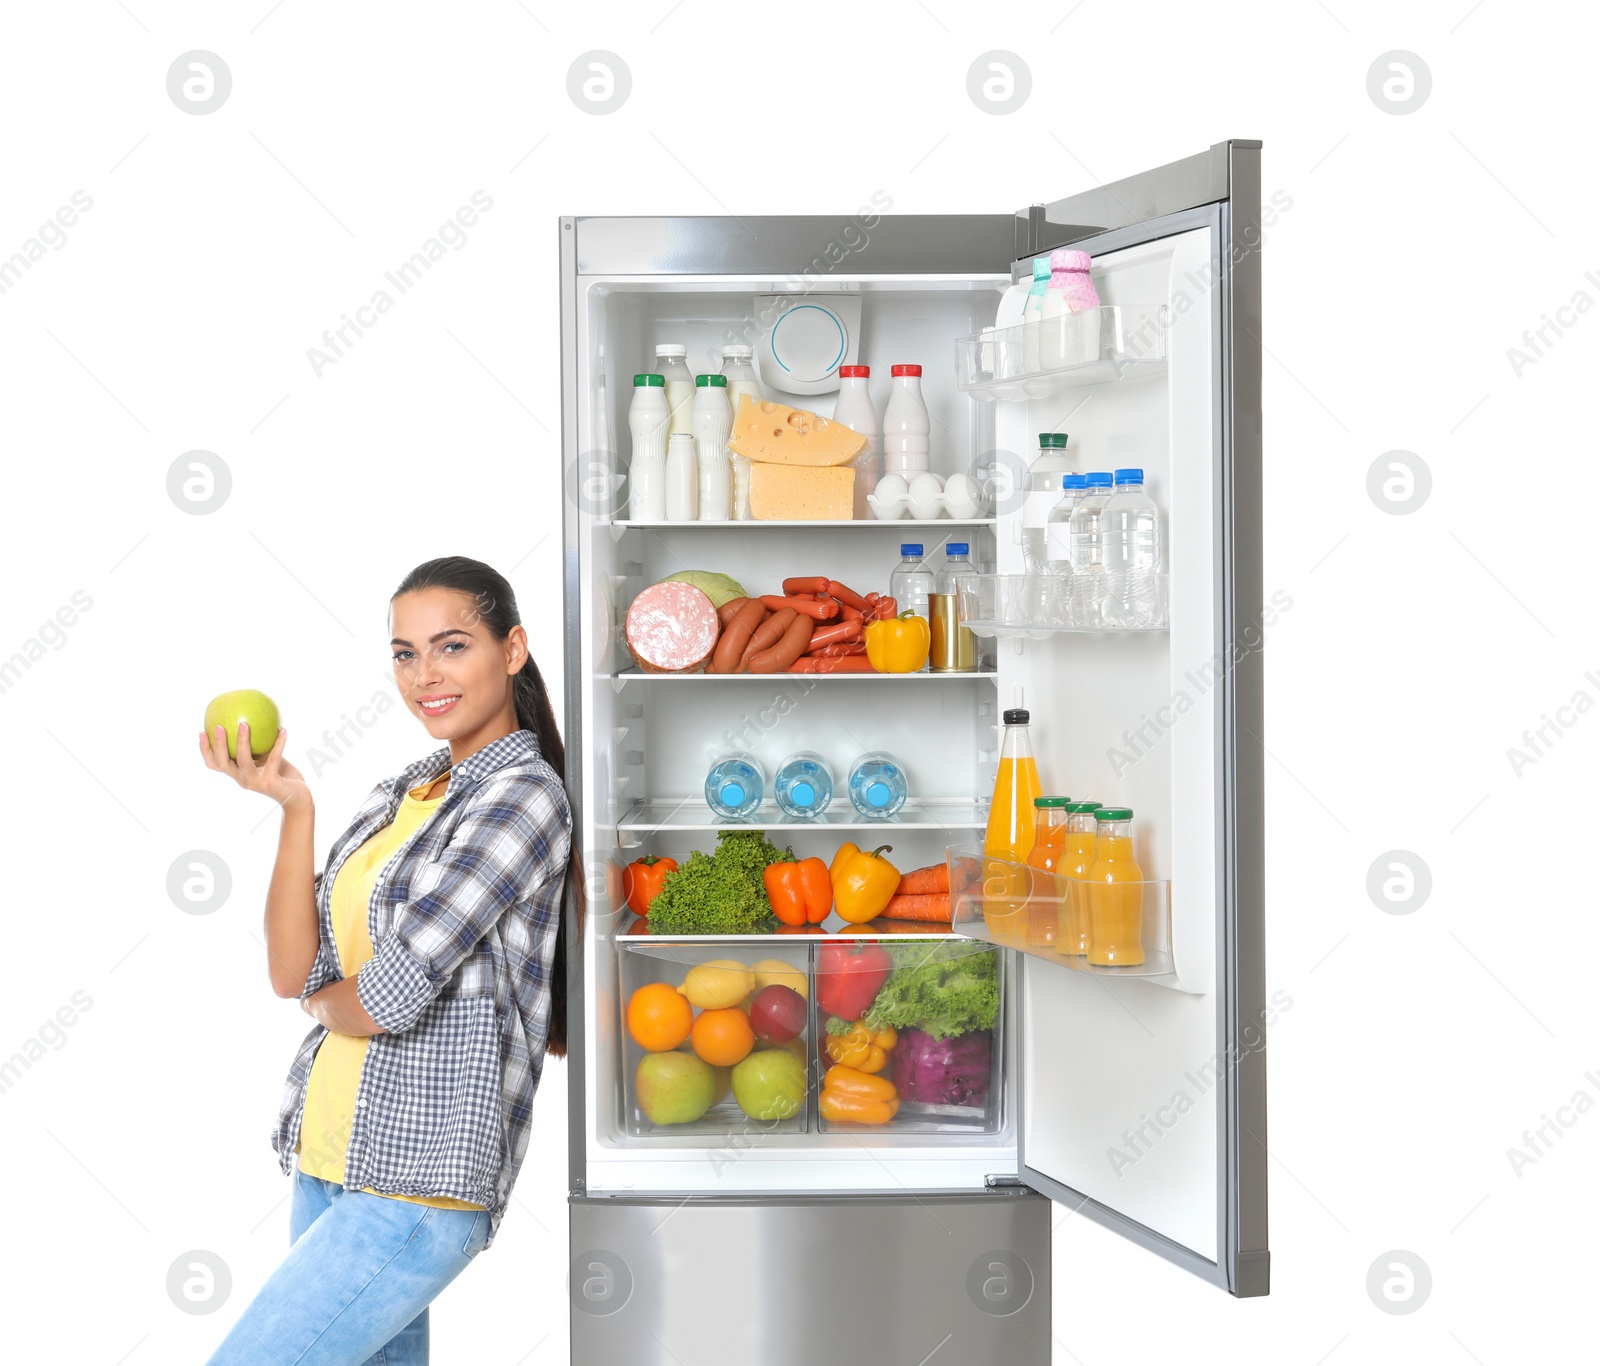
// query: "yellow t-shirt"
[[330, 1104]]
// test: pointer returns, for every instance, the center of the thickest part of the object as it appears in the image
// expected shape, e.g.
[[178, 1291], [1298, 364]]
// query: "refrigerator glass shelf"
[[692, 813], [831, 929], [1036, 605], [1040, 358], [1020, 907], [901, 523], [639, 675]]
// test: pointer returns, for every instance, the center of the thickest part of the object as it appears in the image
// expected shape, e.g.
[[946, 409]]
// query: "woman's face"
[[443, 650]]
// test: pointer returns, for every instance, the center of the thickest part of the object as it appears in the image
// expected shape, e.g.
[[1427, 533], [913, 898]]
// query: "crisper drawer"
[[792, 1035]]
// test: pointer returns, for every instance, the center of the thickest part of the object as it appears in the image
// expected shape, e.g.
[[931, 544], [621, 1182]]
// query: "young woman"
[[431, 951]]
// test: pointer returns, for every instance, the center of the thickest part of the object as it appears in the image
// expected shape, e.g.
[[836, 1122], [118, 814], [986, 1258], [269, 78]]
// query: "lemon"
[[718, 984], [770, 970]]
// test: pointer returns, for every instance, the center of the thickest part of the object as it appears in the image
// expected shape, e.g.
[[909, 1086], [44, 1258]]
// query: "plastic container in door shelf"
[[1077, 859], [905, 424], [803, 786], [1032, 310], [953, 649], [735, 785], [854, 408], [1008, 837], [712, 422], [1069, 291], [1048, 852], [674, 369], [683, 479], [1116, 894], [878, 787], [648, 418]]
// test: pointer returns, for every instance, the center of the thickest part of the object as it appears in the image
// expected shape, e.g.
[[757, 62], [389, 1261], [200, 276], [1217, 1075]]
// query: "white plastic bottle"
[[1087, 552], [674, 369], [1130, 539], [1053, 314], [714, 493], [740, 372], [683, 479], [905, 424], [1032, 307], [647, 469], [1044, 492], [1006, 341], [854, 409]]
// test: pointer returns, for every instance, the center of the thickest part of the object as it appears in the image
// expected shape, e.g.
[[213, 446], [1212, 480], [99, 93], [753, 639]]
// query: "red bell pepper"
[[849, 977]]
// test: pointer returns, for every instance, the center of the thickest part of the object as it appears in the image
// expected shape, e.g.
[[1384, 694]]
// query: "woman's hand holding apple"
[[273, 777]]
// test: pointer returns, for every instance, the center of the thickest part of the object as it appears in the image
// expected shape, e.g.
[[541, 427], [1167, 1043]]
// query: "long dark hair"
[[496, 607]]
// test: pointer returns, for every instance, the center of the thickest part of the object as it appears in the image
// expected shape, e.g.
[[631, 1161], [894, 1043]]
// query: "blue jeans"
[[355, 1287]]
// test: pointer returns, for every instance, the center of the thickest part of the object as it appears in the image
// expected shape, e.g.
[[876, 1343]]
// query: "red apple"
[[777, 1014]]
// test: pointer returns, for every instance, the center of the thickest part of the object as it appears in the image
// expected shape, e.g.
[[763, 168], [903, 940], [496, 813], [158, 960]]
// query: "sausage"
[[837, 651], [730, 648], [885, 609], [836, 589], [836, 633], [794, 586], [729, 610], [822, 664], [793, 644], [822, 608], [766, 636]]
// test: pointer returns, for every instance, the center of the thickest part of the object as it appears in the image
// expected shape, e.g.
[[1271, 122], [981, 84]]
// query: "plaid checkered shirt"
[[463, 922]]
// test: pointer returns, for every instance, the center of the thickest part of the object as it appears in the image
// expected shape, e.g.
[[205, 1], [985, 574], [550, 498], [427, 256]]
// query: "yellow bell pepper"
[[854, 1097], [863, 883], [899, 645], [859, 1047]]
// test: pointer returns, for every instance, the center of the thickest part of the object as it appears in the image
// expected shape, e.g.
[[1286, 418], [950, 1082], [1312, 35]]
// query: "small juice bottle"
[[1008, 838], [1116, 894], [1082, 848], [1049, 848]]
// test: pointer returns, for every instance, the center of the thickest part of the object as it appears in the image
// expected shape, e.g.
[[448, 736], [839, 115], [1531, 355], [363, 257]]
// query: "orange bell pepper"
[[799, 890], [853, 1097], [642, 879], [855, 1045]]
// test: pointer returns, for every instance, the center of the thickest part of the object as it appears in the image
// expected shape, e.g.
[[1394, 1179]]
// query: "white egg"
[[963, 495], [890, 487], [925, 488]]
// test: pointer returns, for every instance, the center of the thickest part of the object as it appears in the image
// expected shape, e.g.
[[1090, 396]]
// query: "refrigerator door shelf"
[[1030, 913], [1038, 606], [1093, 347], [691, 813]]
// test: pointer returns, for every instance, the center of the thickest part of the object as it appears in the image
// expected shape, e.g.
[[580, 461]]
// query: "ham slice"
[[671, 629]]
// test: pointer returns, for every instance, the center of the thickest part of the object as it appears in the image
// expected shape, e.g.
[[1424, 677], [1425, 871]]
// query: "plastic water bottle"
[[905, 424], [1051, 605], [735, 785], [911, 583], [877, 785], [1130, 541], [1086, 552], [1044, 493], [803, 786]]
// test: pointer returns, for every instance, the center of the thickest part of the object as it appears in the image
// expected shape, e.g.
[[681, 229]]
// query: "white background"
[[177, 317]]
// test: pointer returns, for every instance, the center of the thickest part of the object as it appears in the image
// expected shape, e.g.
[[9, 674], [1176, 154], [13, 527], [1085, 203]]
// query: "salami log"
[[671, 629]]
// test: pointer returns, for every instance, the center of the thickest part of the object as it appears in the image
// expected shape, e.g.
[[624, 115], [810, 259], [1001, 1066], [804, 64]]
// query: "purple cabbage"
[[949, 1071]]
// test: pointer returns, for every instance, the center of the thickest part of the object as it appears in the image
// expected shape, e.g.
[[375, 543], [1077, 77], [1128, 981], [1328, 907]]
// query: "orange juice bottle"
[[1009, 835], [1049, 847], [1077, 859], [1116, 893]]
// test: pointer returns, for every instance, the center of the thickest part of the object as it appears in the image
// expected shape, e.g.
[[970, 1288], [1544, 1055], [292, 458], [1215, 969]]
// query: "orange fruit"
[[722, 1037], [659, 1017]]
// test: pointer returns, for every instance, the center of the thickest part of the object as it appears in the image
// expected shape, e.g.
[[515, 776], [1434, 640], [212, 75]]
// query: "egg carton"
[[926, 497]]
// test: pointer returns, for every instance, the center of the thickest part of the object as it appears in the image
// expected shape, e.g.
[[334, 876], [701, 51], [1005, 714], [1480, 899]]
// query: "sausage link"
[[780, 656]]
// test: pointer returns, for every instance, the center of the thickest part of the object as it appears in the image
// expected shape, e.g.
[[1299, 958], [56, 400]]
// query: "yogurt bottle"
[[711, 424], [740, 372], [647, 471], [674, 368], [905, 424]]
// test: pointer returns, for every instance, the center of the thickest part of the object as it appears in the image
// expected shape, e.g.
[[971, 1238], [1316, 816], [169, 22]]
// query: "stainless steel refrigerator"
[[1134, 1097]]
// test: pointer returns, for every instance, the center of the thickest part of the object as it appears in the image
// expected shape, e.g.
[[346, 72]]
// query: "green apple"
[[674, 1087], [770, 1084], [258, 710]]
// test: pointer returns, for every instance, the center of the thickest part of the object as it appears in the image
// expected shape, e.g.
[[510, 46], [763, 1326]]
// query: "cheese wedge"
[[776, 434], [789, 493]]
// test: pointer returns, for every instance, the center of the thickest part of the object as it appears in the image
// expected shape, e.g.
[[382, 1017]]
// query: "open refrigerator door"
[[714, 1173]]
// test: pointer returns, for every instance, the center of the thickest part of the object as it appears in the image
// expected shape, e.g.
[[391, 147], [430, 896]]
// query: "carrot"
[[837, 634], [792, 587], [818, 609], [935, 906], [821, 664], [838, 590], [923, 881]]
